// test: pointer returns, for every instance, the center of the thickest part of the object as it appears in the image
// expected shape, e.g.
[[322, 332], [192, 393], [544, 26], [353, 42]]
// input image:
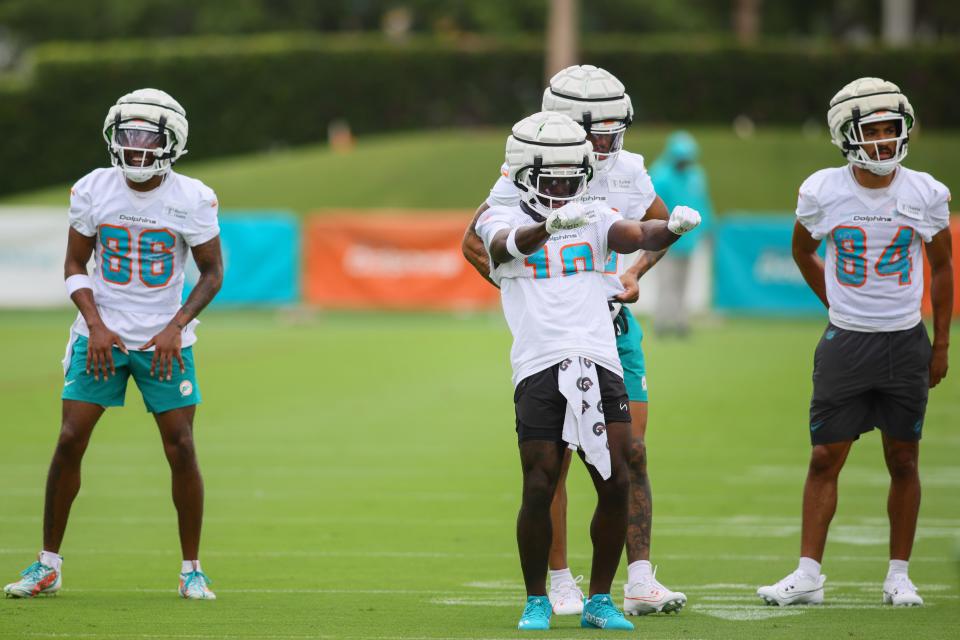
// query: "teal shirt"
[[687, 187]]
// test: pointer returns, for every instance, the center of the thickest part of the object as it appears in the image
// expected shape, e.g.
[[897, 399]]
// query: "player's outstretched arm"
[[101, 341], [472, 247], [527, 240], [939, 254], [810, 264], [645, 259], [167, 343], [627, 236]]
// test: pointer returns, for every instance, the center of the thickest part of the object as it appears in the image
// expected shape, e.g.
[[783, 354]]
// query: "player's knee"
[[616, 489], [72, 442], [538, 489], [902, 464], [825, 463], [179, 449], [638, 456]]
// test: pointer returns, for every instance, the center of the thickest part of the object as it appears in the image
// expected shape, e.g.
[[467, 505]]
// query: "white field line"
[[857, 535], [830, 598], [746, 614], [831, 584], [314, 553]]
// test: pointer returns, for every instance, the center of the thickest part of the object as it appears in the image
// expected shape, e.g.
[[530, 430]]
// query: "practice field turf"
[[362, 482], [455, 169]]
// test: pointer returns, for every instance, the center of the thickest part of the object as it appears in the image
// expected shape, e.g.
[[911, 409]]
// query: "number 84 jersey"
[[142, 243], [874, 263]]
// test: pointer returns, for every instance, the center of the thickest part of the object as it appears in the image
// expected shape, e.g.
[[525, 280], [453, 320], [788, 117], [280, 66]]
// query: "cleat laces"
[[194, 576], [34, 572]]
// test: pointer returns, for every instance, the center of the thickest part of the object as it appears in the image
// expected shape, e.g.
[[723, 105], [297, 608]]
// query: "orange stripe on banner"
[[391, 259], [927, 305]]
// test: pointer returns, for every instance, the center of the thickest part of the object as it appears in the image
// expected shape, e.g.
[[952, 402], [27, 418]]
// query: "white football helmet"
[[865, 101], [146, 132], [550, 160], [595, 99]]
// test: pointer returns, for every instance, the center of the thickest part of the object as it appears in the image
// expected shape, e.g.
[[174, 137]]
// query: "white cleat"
[[193, 586], [566, 597], [649, 596], [900, 592], [796, 588], [37, 579]]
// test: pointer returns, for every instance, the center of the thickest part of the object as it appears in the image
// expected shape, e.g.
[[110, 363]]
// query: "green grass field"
[[455, 169], [362, 482]]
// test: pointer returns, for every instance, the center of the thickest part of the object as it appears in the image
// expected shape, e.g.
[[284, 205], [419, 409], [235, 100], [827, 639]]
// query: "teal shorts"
[[158, 395], [631, 356]]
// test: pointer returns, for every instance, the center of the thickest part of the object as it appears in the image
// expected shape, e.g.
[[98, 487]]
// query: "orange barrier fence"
[[391, 260], [927, 306]]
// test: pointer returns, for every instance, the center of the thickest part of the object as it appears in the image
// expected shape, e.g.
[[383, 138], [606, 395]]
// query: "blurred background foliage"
[[260, 75]]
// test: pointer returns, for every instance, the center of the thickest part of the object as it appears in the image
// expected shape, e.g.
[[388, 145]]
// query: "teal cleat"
[[536, 615], [599, 612], [193, 586], [37, 579]]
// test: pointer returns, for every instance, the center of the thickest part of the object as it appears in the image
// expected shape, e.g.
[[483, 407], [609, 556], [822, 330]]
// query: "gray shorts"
[[863, 381]]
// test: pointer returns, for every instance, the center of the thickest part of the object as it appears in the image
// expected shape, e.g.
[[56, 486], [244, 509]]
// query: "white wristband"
[[77, 281], [512, 248]]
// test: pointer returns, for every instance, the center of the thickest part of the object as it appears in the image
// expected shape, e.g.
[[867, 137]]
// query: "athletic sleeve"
[[504, 193], [491, 222], [81, 212], [809, 213], [938, 213], [203, 224]]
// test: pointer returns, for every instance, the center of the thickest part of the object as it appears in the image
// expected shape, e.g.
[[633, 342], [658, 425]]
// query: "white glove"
[[683, 219], [570, 216]]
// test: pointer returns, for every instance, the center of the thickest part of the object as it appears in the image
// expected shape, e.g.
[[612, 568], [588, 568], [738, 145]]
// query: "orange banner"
[[391, 260], [927, 306]]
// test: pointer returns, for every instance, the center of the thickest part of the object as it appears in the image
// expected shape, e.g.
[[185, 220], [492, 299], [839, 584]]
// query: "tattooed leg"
[[640, 518]]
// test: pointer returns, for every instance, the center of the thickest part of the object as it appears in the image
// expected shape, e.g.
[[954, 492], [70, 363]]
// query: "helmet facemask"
[[857, 147], [607, 140], [551, 187], [141, 149], [146, 133]]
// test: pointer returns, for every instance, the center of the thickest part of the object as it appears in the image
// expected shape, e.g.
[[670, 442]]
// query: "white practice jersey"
[[874, 264], [555, 301], [142, 245], [626, 188]]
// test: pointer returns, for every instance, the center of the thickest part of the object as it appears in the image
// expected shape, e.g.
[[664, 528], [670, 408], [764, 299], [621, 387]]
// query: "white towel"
[[583, 424]]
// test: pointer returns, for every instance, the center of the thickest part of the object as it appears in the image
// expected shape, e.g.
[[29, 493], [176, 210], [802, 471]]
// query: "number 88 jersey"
[[874, 262], [142, 238]]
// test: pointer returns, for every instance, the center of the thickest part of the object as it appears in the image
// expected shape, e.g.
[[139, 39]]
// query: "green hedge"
[[251, 93]]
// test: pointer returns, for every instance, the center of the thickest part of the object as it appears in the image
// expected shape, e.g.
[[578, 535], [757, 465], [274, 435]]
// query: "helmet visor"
[[556, 186], [607, 139], [140, 147]]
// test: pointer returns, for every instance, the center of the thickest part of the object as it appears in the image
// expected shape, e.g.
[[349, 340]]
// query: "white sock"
[[639, 571], [189, 566], [560, 575], [810, 567], [897, 568], [51, 559]]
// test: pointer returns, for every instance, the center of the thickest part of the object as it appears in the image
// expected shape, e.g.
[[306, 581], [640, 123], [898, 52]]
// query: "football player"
[[597, 101], [549, 255], [138, 219], [874, 363]]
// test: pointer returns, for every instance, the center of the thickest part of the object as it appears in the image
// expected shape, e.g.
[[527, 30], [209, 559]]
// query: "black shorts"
[[863, 381], [540, 407]]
